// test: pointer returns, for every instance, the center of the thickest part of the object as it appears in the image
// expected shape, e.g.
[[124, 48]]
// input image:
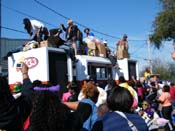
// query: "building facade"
[[6, 45]]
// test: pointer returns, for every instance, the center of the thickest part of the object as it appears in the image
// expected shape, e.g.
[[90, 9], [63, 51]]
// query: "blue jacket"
[[112, 121], [88, 124]]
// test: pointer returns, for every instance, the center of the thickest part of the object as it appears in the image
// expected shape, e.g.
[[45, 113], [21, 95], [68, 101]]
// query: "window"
[[101, 72]]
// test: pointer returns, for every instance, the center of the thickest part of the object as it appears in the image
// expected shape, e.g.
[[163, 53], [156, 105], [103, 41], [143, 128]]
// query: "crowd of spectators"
[[116, 106], [139, 105]]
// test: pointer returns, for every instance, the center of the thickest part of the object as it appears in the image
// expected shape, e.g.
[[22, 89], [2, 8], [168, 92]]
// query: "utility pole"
[[149, 55]]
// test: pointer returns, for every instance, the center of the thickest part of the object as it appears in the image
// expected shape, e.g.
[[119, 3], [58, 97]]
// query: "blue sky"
[[112, 17]]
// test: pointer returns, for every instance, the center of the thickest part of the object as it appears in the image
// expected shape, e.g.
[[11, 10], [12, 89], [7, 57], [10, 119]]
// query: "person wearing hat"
[[73, 36], [122, 48]]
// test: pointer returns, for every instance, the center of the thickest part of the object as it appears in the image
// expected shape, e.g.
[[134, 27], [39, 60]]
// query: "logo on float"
[[31, 62]]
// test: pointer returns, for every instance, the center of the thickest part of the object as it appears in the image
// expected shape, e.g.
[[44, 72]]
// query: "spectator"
[[35, 29], [147, 73], [173, 53], [75, 93], [13, 112], [152, 93], [111, 83], [165, 100], [48, 113], [172, 93], [140, 93], [67, 94], [149, 115], [102, 93], [122, 48], [71, 94], [27, 122], [119, 103], [85, 110], [102, 109], [123, 83]]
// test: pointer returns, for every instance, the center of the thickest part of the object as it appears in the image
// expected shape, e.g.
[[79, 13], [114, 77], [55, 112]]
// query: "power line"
[[137, 57], [22, 13], [67, 18], [136, 50], [13, 29], [38, 2]]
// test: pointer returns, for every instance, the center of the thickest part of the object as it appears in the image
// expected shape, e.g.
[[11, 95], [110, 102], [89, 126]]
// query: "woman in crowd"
[[48, 113], [120, 117], [85, 110], [149, 115], [102, 93], [72, 93], [13, 112], [111, 83], [123, 83], [165, 100]]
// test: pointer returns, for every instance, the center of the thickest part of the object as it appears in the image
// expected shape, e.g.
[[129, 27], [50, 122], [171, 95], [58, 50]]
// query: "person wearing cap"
[[122, 48], [35, 29], [73, 36]]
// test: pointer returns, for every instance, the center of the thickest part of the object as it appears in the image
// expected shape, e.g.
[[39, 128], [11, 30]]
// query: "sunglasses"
[[145, 104]]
